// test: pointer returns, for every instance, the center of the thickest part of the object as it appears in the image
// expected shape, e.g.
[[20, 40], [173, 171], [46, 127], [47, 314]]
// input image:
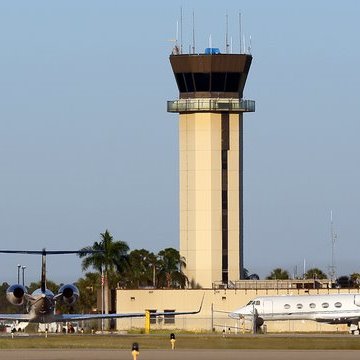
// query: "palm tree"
[[248, 276], [170, 272], [278, 274], [110, 257], [315, 273]]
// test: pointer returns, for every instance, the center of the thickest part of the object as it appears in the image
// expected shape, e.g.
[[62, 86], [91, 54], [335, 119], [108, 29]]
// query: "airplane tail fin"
[[43, 254], [43, 271]]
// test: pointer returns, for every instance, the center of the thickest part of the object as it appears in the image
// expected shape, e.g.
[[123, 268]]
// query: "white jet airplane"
[[330, 309], [41, 303]]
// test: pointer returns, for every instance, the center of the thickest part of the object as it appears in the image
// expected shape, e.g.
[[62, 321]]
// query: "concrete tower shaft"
[[211, 110]]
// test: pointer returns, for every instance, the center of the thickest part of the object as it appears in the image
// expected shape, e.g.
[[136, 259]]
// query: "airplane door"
[[268, 307]]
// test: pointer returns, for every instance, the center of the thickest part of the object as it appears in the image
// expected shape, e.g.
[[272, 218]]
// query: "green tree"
[[278, 274], [110, 257], [170, 273], [88, 287], [355, 278], [143, 265], [5, 306], [315, 273]]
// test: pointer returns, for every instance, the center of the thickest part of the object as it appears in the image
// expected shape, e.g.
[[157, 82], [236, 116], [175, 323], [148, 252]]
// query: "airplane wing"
[[75, 317], [78, 317], [15, 317]]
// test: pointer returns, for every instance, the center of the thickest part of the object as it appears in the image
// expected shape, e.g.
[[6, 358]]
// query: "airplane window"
[[312, 305], [286, 306], [338, 304], [257, 302], [299, 306], [169, 318], [325, 305]]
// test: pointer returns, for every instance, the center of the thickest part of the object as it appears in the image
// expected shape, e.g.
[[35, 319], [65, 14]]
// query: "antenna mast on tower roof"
[[240, 30], [181, 30], [193, 47], [227, 34]]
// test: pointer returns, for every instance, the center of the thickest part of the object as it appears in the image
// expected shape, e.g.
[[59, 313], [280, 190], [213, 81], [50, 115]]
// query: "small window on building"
[[286, 306], [152, 317], [312, 305], [299, 306], [338, 304], [169, 318], [325, 305]]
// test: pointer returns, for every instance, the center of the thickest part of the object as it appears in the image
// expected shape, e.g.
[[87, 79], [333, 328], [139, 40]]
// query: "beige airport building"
[[211, 108], [217, 304]]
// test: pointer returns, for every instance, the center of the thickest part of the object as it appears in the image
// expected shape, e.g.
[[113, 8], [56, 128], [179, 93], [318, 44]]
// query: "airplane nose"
[[235, 315]]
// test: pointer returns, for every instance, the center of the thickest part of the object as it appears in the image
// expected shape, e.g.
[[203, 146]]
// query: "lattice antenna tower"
[[333, 237]]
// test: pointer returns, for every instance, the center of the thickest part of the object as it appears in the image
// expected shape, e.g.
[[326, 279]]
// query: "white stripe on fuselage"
[[327, 308]]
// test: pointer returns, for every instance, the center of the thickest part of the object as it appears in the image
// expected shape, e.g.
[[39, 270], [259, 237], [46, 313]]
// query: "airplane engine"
[[15, 294], [70, 294]]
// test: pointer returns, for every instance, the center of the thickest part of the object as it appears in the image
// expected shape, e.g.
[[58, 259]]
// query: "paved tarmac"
[[30, 354]]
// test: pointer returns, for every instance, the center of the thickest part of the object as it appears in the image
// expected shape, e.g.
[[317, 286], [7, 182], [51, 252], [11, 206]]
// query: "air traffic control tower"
[[211, 108]]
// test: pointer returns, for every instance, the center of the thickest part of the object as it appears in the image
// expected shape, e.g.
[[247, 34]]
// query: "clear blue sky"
[[86, 143]]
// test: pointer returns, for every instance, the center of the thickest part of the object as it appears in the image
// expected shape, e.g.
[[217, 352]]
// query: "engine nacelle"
[[70, 293], [15, 294]]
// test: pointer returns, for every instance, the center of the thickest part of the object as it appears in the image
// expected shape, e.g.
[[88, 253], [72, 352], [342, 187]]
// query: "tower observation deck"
[[211, 108]]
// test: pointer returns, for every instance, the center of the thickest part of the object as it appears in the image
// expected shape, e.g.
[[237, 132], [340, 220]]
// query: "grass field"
[[298, 342]]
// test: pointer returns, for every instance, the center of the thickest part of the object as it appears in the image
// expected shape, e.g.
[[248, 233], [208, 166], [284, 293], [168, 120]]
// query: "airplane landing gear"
[[354, 329]]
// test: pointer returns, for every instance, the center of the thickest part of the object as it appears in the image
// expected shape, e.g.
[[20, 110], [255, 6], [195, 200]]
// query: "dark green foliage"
[[142, 270], [315, 273], [170, 271], [5, 306], [278, 274]]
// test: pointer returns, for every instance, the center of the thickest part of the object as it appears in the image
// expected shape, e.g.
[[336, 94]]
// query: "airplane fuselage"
[[332, 309], [41, 306]]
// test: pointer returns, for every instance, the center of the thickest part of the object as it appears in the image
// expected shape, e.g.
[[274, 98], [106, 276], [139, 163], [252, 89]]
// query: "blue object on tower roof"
[[212, 51]]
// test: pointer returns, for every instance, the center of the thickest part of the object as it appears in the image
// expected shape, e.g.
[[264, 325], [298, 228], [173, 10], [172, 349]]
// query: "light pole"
[[23, 275], [102, 297], [23, 283], [18, 273]]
